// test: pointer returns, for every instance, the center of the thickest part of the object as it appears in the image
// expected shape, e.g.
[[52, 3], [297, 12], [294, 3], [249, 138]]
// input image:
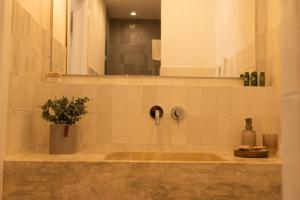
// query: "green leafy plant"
[[64, 111]]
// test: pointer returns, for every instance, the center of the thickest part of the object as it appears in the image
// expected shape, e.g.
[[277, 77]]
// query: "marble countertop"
[[99, 157]]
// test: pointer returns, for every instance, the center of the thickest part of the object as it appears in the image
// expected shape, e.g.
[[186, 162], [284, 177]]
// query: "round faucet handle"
[[178, 113]]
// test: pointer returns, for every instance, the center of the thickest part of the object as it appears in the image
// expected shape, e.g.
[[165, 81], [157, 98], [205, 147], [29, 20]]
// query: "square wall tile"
[[104, 103], [271, 101], [179, 132], [104, 129], [149, 131], [126, 129], [209, 130], [88, 129], [14, 129], [22, 94], [237, 127], [224, 130], [224, 101], [135, 97], [45, 92], [178, 96], [194, 100], [22, 135], [209, 101], [149, 98], [201, 130], [41, 129], [18, 57], [46, 39], [253, 101], [120, 129], [271, 125], [239, 101], [164, 98], [193, 130]]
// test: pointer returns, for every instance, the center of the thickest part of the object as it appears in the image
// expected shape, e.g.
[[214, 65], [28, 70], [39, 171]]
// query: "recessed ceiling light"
[[133, 13]]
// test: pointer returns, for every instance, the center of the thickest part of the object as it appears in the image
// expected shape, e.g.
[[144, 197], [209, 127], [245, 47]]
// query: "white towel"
[[156, 50]]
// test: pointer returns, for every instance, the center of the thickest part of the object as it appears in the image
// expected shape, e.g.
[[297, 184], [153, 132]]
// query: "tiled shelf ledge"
[[152, 80]]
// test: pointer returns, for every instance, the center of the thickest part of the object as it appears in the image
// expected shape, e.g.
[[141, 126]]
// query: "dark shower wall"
[[130, 47]]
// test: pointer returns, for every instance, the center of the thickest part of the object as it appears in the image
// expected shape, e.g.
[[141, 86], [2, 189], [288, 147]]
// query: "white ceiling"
[[145, 9]]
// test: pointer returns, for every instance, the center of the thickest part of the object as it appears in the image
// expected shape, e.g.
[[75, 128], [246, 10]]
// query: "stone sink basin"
[[151, 156]]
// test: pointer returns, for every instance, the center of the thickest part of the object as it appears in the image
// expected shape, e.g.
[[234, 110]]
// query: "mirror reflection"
[[191, 38]]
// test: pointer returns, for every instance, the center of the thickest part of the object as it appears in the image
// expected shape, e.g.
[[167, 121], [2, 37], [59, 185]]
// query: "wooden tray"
[[251, 153]]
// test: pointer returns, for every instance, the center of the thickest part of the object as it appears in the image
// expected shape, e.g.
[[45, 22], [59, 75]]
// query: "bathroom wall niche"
[[192, 38]]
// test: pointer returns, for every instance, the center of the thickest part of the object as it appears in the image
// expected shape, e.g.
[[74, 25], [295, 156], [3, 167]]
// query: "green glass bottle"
[[262, 79], [247, 79], [254, 79]]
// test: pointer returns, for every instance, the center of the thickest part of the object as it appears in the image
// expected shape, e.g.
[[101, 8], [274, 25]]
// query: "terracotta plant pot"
[[63, 139]]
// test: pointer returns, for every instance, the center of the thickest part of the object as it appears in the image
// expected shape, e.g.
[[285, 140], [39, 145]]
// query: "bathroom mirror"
[[190, 38]]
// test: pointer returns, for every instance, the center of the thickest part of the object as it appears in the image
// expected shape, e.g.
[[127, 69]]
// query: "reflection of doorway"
[[86, 32], [130, 47], [78, 37]]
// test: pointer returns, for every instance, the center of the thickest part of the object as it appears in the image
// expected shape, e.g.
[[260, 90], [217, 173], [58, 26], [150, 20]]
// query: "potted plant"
[[63, 113]]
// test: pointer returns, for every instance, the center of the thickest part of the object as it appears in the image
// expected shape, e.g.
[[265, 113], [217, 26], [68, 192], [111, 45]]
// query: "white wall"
[[87, 45], [78, 37], [235, 27], [202, 33], [273, 13], [5, 18], [188, 33], [96, 36], [291, 98]]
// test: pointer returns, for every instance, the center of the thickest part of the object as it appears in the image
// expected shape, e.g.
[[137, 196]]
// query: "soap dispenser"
[[249, 135]]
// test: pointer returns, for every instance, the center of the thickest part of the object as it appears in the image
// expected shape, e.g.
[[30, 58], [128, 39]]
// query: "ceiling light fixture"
[[133, 13]]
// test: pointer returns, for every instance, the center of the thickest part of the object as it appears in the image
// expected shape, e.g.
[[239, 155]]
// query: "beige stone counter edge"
[[99, 158]]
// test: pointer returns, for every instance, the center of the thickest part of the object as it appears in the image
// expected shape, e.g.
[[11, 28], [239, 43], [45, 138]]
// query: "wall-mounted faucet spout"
[[157, 117], [156, 112]]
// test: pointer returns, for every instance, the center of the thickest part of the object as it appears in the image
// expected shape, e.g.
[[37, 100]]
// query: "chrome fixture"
[[156, 112], [178, 113]]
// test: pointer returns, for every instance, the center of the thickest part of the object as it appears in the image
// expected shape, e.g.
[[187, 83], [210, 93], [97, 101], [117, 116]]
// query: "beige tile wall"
[[118, 118], [30, 60], [118, 112], [5, 15], [59, 57]]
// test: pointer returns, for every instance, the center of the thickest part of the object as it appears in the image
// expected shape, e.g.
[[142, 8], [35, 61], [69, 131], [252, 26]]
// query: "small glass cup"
[[271, 142]]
